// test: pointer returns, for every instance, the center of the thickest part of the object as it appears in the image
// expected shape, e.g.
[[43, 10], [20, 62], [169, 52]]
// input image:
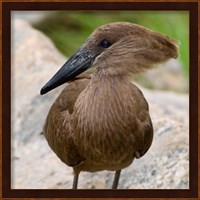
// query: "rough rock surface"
[[32, 17], [35, 166], [167, 77]]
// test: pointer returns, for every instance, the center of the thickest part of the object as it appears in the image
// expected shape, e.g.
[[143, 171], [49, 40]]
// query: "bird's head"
[[119, 48]]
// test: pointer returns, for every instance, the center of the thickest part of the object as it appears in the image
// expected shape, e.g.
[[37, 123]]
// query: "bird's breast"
[[102, 121]]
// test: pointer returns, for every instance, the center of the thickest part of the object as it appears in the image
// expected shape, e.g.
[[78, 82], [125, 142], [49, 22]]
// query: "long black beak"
[[76, 64]]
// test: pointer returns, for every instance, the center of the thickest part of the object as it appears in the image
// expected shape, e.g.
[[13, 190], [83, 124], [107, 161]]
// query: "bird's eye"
[[105, 43]]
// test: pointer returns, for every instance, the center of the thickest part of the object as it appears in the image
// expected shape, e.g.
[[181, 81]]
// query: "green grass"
[[69, 30]]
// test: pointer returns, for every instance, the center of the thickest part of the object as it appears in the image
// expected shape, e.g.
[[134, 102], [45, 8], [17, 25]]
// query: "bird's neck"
[[102, 77], [103, 93]]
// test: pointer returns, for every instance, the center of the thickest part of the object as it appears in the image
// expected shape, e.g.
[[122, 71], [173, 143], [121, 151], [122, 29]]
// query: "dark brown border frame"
[[7, 192]]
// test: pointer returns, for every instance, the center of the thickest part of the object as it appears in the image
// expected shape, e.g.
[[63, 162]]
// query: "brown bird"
[[101, 121]]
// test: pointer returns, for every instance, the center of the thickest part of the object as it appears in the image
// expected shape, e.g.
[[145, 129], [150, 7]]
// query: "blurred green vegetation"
[[69, 29]]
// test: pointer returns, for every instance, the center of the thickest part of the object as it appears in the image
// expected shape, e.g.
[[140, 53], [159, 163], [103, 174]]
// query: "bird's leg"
[[116, 179], [75, 181]]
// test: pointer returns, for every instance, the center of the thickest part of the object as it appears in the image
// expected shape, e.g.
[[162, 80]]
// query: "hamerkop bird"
[[101, 121]]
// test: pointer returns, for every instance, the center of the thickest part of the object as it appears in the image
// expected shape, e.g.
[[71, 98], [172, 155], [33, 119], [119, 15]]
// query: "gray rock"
[[168, 76], [32, 17], [34, 60], [35, 166]]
